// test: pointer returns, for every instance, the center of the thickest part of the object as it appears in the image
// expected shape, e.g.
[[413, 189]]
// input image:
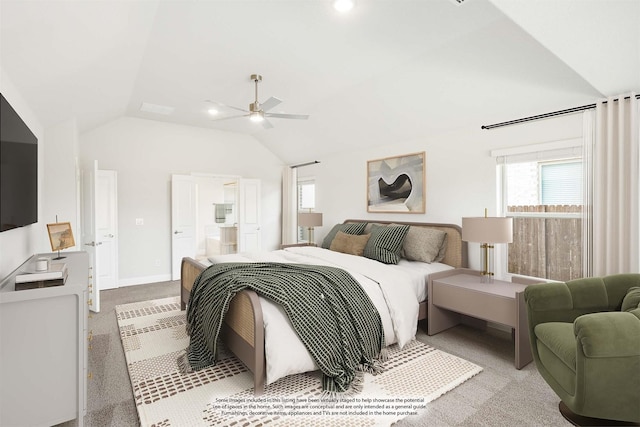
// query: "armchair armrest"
[[608, 334]]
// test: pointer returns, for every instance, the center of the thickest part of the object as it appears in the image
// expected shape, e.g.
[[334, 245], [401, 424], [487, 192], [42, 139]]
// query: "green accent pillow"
[[631, 301], [385, 243], [355, 228]]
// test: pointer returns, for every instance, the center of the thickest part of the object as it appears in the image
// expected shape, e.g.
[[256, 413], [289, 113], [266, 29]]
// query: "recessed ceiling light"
[[343, 6], [212, 111], [158, 109]]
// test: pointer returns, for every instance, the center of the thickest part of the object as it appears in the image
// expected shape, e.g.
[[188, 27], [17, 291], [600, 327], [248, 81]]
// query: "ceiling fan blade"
[[287, 116], [229, 117], [267, 124], [270, 103], [227, 106]]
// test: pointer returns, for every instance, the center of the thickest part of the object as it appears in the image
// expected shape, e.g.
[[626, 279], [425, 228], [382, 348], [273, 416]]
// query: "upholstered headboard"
[[456, 255]]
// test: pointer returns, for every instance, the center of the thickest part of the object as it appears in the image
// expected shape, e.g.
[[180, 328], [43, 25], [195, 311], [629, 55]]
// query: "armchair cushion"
[[631, 301], [559, 338]]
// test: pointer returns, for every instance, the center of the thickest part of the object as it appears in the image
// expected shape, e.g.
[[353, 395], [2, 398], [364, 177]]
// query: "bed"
[[243, 330]]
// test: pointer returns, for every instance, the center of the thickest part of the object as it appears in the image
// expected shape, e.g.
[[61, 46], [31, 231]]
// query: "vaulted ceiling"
[[386, 72]]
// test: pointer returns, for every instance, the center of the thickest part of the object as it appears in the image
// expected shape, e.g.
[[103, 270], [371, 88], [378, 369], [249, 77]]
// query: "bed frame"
[[243, 329]]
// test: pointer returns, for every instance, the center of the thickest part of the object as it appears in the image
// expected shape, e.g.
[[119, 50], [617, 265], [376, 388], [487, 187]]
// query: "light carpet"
[[153, 335]]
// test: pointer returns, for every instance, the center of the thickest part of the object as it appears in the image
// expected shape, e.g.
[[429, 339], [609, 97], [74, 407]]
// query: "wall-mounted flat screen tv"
[[18, 170]]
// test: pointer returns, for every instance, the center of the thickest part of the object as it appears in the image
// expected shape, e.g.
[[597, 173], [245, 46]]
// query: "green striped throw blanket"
[[329, 310]]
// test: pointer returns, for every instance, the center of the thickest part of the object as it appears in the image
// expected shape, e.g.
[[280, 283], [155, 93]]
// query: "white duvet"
[[395, 291]]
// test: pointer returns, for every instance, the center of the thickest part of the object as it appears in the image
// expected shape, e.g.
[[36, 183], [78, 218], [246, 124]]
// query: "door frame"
[[175, 263]]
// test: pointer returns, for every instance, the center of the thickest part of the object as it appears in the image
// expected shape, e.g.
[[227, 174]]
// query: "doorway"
[[213, 215], [99, 211]]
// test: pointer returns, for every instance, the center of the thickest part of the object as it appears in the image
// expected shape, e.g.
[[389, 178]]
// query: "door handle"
[[177, 232], [91, 244], [109, 235]]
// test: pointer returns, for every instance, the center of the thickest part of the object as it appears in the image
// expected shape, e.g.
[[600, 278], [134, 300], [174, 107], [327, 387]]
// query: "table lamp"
[[487, 231], [310, 220]]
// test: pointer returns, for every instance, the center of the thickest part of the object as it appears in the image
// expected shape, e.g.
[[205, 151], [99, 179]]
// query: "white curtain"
[[616, 186], [289, 205], [589, 136]]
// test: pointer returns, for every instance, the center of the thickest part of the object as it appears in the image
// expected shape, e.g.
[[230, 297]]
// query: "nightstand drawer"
[[475, 303]]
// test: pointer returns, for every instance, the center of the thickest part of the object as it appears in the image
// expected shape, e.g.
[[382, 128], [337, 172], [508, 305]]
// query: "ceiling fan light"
[[343, 6], [257, 116], [212, 111]]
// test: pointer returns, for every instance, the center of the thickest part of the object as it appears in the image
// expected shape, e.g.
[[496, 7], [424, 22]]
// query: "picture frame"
[[60, 236], [397, 184]]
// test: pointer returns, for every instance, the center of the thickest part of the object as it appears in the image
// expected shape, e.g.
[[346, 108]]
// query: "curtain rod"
[[547, 115], [304, 164]]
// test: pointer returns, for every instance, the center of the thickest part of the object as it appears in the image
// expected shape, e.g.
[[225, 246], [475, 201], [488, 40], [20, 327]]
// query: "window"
[[561, 183], [543, 193], [306, 203]]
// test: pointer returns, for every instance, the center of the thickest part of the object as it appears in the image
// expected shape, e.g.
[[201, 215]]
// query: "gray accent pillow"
[[443, 249], [424, 244], [385, 243], [350, 228], [367, 229]]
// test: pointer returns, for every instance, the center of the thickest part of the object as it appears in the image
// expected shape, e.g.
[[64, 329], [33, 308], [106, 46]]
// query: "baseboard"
[[144, 280]]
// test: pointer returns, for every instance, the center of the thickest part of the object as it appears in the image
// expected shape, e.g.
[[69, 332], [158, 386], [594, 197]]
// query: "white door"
[[183, 221], [107, 228], [249, 208], [89, 231]]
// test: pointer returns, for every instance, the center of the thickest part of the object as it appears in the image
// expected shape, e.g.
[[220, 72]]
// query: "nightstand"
[[456, 292]]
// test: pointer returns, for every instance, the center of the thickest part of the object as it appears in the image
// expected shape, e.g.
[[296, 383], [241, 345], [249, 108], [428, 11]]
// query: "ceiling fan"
[[258, 112]]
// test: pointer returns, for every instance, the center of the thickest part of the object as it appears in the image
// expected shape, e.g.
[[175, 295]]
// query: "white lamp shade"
[[487, 229], [309, 219]]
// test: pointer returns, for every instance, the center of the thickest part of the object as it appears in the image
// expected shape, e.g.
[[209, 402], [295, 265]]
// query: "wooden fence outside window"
[[547, 241]]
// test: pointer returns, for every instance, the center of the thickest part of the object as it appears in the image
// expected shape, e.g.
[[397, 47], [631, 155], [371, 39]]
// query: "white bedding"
[[395, 291]]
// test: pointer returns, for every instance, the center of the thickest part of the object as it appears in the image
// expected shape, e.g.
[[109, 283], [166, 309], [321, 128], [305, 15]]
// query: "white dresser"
[[43, 348]]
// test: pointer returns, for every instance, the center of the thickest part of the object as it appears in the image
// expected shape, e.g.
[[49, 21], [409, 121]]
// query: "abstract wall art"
[[396, 184]]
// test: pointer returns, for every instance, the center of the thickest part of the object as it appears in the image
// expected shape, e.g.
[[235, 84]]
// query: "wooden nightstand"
[[459, 291]]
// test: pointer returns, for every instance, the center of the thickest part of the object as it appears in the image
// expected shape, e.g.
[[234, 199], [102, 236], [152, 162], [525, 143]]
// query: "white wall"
[[59, 195], [145, 153], [20, 243], [460, 174]]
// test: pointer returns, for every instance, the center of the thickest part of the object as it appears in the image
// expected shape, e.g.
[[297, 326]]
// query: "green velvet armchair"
[[585, 340]]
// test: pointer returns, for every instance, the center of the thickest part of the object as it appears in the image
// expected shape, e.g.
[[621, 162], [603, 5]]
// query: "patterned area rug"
[[153, 335]]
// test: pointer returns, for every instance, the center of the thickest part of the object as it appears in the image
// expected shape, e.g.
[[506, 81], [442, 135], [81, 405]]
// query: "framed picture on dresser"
[[60, 236]]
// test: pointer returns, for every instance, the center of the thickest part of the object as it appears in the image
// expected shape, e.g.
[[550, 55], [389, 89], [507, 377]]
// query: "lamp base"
[[486, 277], [486, 261]]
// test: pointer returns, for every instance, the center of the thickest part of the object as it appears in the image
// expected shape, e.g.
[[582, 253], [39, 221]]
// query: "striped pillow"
[[351, 228], [385, 243]]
